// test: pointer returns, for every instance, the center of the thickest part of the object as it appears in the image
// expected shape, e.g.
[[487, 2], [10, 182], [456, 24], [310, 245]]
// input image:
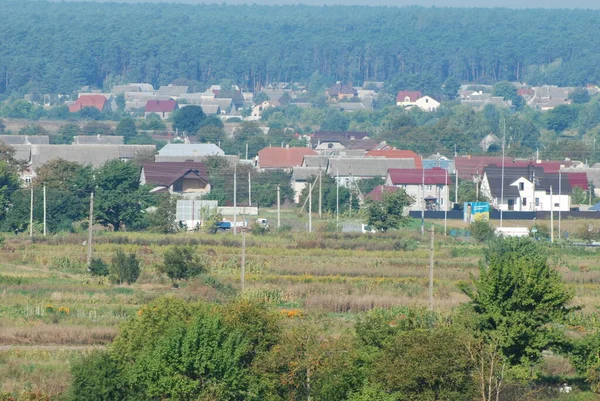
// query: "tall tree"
[[188, 119]]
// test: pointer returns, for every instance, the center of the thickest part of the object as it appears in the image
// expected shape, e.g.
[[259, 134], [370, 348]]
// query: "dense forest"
[[57, 47]]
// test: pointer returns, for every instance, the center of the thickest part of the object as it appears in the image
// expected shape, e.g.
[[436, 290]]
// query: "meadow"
[[52, 310]]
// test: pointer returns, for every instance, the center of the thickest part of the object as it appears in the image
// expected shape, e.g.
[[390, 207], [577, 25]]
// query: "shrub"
[[181, 263], [98, 267], [482, 231], [259, 229], [96, 377], [124, 268]]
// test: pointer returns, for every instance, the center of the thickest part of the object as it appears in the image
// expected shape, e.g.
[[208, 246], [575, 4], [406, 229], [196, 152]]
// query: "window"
[[442, 202], [537, 201], [557, 205], [521, 186], [524, 202], [430, 187]]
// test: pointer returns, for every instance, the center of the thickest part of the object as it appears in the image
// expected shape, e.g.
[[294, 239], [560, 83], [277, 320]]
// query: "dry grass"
[[44, 334]]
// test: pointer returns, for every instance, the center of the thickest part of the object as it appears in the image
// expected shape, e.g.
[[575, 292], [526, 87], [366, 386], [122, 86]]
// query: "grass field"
[[52, 310]]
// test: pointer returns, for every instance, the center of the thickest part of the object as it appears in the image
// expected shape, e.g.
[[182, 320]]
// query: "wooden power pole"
[[90, 230], [31, 212], [278, 207], [431, 247], [45, 230]]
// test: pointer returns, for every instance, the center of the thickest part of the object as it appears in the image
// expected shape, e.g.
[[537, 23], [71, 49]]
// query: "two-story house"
[[428, 187]]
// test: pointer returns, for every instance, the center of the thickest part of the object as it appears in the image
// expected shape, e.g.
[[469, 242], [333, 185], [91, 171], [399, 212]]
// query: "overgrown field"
[[52, 310]]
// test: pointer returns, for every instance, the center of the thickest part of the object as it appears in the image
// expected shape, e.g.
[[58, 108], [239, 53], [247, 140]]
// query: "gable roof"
[[397, 154], [468, 166], [95, 155], [160, 106], [415, 176], [377, 193], [166, 173], [341, 89], [191, 150], [273, 157], [315, 161], [25, 139], [97, 101], [98, 140], [412, 96], [172, 90], [304, 173], [543, 180], [366, 166], [578, 180]]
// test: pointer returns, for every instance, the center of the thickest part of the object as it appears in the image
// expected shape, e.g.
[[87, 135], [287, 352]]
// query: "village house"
[[258, 109], [348, 171], [428, 187], [163, 108], [527, 188], [99, 102], [98, 140], [341, 91], [187, 179], [182, 152], [396, 154], [282, 158], [409, 99], [301, 177]]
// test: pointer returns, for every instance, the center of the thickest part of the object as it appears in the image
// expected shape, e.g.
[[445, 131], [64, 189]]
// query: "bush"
[[181, 263], [98, 267], [259, 229], [96, 377], [541, 231], [124, 268], [482, 231]]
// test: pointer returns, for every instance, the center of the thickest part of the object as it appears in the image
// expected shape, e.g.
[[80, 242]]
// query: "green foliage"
[[389, 212], [560, 117], [509, 92], [96, 377], [126, 128], [182, 263], [482, 231], [98, 267], [188, 119], [9, 183], [153, 122], [124, 268], [65, 134], [516, 297], [579, 96], [33, 129], [446, 375]]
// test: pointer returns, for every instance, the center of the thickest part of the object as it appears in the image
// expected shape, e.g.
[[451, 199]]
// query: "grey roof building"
[[366, 167], [98, 140], [25, 139]]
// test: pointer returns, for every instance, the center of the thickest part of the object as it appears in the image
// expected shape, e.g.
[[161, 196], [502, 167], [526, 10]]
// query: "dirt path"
[[4, 348]]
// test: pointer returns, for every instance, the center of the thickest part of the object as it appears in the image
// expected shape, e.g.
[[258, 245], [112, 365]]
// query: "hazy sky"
[[437, 3]]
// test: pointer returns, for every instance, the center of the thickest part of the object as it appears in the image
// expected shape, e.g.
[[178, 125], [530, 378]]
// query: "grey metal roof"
[[24, 139], [95, 155], [232, 159], [191, 150], [366, 167], [98, 140], [315, 161], [172, 90], [304, 173], [22, 152]]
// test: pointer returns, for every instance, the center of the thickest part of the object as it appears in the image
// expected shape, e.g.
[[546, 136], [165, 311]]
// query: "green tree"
[[153, 122], [579, 96], [482, 231], [560, 118], [509, 92], [182, 263], [97, 377], [119, 197], [90, 113], [120, 101], [9, 183], [188, 119], [65, 134], [124, 268], [516, 297], [127, 129], [389, 212]]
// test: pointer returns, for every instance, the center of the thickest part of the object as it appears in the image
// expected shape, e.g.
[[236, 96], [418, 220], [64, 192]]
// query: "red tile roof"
[[397, 154], [578, 180], [412, 95], [377, 193], [468, 166], [283, 157], [97, 101], [166, 173], [160, 106], [414, 176]]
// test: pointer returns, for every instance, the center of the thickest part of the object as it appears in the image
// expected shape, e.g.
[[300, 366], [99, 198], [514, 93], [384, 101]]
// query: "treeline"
[[492, 348], [53, 47]]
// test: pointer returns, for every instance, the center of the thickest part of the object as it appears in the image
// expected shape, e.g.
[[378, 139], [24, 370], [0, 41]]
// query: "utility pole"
[[243, 256], [278, 207], [246, 150], [447, 202], [551, 216], [559, 200], [45, 230], [502, 181], [337, 201], [90, 231], [31, 212], [456, 188], [350, 207], [423, 201], [320, 195], [249, 189], [431, 247], [310, 187], [235, 200]]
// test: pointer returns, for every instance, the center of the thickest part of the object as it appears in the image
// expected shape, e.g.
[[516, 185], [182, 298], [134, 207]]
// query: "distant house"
[[301, 177], [100, 102], [340, 143], [282, 158], [527, 188], [189, 179], [349, 170], [409, 99], [258, 109], [98, 140], [429, 188], [469, 167], [489, 141], [397, 154], [163, 108], [341, 91], [377, 193], [181, 152], [173, 91], [25, 139]]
